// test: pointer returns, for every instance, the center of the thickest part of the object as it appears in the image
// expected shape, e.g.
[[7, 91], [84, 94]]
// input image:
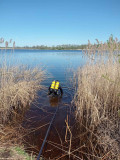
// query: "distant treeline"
[[58, 47], [111, 44]]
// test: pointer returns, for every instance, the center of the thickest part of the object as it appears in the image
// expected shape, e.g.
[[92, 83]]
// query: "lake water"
[[59, 65]]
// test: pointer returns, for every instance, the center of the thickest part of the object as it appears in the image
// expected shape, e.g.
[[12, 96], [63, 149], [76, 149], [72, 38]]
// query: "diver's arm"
[[61, 90]]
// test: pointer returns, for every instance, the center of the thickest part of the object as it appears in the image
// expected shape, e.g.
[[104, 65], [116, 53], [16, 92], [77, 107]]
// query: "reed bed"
[[18, 85], [97, 104], [18, 88], [112, 45], [98, 91]]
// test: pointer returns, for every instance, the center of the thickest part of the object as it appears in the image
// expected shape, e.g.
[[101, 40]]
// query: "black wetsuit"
[[54, 91]]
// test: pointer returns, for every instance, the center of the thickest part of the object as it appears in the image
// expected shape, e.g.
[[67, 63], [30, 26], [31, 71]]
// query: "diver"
[[55, 89]]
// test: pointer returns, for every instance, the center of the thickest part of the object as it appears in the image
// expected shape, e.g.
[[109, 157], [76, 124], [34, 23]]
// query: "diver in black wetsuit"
[[55, 88]]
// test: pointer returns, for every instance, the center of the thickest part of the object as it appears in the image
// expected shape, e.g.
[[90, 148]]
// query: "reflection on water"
[[58, 65], [54, 100]]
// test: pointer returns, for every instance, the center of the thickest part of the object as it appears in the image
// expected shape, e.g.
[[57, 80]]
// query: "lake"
[[59, 65]]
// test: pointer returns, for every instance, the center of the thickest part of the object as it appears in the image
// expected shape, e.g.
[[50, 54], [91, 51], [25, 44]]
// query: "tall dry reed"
[[97, 103], [98, 91], [18, 87]]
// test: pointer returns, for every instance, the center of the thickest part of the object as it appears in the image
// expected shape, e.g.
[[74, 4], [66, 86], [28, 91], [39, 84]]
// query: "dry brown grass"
[[98, 91], [97, 103], [112, 44], [18, 88]]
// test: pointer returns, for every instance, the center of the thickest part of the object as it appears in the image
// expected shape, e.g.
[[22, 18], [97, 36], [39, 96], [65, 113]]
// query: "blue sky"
[[54, 22]]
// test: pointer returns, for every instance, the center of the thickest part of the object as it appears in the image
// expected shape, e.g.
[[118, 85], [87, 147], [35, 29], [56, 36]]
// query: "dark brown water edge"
[[62, 139], [37, 119], [58, 143]]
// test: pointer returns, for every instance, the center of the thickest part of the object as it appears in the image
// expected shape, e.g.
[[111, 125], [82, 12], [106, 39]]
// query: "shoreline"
[[40, 49]]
